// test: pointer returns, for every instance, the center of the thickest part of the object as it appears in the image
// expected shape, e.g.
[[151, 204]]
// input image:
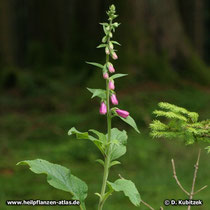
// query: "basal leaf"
[[59, 177], [128, 188]]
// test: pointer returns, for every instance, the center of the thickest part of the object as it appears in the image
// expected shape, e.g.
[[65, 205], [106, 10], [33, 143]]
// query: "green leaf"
[[101, 45], [128, 188], [84, 135], [59, 177], [100, 135], [129, 120], [117, 150], [208, 149], [98, 92], [113, 163], [100, 161], [96, 64], [98, 195], [118, 75], [104, 24], [79, 135], [104, 39], [115, 42]]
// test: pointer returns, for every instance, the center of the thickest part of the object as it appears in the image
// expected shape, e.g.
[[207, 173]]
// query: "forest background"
[[43, 75]]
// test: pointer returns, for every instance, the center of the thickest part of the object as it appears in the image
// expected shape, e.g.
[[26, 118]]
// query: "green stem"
[[107, 155]]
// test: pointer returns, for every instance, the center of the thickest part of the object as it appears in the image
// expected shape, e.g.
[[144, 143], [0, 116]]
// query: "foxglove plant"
[[112, 145]]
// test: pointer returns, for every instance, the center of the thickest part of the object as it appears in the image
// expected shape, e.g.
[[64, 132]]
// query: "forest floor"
[[36, 127]]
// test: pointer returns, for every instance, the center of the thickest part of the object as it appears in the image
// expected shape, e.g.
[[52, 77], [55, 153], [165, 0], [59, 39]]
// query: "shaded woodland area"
[[162, 41], [44, 45]]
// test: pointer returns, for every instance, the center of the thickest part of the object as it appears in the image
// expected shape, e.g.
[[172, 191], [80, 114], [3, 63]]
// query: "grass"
[[28, 131]]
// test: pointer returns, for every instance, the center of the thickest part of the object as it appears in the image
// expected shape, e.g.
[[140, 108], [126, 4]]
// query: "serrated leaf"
[[96, 64], [120, 149], [115, 76], [59, 177], [128, 188], [98, 92], [130, 121]]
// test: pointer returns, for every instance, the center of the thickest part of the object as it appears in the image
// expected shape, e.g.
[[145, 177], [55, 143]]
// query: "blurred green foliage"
[[30, 130]]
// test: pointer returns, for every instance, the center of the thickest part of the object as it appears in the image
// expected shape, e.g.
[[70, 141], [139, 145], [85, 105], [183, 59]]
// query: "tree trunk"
[[161, 38], [7, 36]]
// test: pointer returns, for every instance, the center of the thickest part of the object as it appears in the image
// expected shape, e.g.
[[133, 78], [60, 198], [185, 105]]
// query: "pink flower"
[[106, 75], [111, 68], [114, 56], [114, 99], [103, 108], [111, 85], [122, 113]]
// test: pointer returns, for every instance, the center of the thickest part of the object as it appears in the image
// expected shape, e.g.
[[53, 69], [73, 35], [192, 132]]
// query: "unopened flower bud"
[[103, 108], [111, 68], [111, 46], [107, 28], [107, 51], [111, 85], [122, 113], [114, 56], [112, 7], [116, 24], [105, 75], [114, 99]]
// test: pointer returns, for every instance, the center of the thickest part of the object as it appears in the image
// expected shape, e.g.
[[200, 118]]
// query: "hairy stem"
[[107, 156]]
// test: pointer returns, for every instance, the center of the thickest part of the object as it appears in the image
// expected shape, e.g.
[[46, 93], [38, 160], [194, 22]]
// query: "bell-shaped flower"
[[105, 75], [103, 109], [111, 68], [122, 113], [114, 56], [111, 85], [107, 51], [114, 99]]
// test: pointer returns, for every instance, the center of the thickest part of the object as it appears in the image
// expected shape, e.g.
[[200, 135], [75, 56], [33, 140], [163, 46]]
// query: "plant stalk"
[[107, 155]]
